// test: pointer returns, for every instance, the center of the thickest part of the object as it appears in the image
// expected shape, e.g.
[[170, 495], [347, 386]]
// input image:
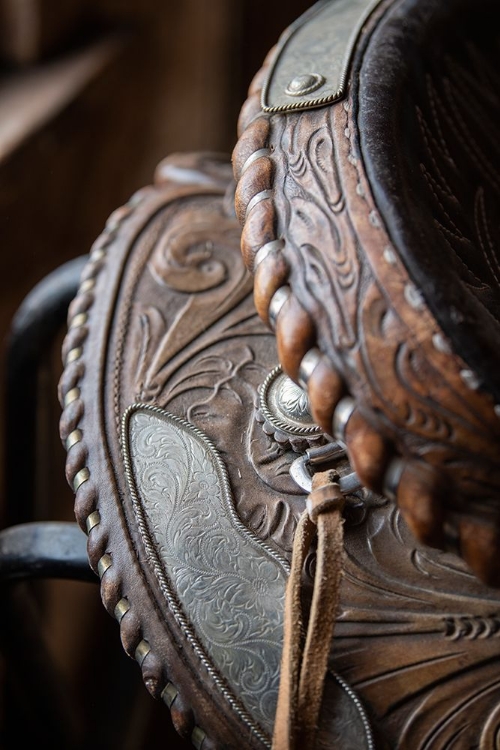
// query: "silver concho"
[[285, 405]]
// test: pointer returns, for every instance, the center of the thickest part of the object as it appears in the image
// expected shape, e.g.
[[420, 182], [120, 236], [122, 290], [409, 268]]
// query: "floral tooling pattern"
[[228, 585]]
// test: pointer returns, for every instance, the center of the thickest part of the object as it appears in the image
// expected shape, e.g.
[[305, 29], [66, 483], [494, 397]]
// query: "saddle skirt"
[[194, 395], [180, 461]]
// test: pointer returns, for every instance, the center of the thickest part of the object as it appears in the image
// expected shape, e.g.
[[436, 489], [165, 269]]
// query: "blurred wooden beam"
[[30, 99], [29, 29]]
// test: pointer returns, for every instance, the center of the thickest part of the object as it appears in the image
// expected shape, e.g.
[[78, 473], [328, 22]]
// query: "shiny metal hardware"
[[315, 55], [279, 298], [269, 247], [302, 468], [309, 363], [392, 478], [305, 84], [341, 416], [169, 694], [285, 405], [121, 609], [262, 196], [142, 651]]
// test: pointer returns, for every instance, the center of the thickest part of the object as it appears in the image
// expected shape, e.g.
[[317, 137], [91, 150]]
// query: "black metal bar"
[[34, 328], [44, 550]]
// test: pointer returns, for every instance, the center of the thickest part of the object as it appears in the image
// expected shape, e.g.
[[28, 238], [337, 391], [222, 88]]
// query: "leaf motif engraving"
[[230, 587], [410, 644], [197, 258]]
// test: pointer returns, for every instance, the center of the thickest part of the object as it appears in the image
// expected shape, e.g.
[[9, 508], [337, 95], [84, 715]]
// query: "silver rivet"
[[97, 254], [197, 737], [269, 247], [262, 196], [142, 651], [71, 396], [470, 379], [309, 363], [305, 84], [341, 416], [79, 320], [87, 285], [389, 256], [82, 476], [169, 694], [413, 296], [104, 563], [93, 520], [121, 609], [253, 158], [392, 478], [74, 354], [278, 299], [441, 344], [73, 438]]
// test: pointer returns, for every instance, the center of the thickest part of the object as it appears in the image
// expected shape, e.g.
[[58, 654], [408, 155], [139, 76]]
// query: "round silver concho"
[[285, 405]]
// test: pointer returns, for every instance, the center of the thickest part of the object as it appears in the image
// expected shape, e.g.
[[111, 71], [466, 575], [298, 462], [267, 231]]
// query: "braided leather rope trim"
[[86, 494], [256, 163]]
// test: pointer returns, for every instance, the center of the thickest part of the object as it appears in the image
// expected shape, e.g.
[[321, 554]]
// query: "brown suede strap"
[[304, 663]]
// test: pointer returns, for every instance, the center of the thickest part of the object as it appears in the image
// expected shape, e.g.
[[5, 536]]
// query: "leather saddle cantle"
[[367, 171]]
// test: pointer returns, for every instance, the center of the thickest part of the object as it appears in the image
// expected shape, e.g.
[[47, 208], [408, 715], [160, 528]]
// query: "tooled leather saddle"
[[198, 401]]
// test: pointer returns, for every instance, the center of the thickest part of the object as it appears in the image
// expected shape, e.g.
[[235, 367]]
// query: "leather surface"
[[379, 280], [190, 510], [428, 117], [182, 485]]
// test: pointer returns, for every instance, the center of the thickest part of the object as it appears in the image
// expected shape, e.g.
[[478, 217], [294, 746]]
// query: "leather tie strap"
[[304, 661]]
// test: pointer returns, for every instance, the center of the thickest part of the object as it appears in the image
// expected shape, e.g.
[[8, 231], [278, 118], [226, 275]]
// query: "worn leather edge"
[[87, 495], [253, 161]]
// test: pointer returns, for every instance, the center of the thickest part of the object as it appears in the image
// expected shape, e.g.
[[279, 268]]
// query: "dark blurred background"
[[93, 93]]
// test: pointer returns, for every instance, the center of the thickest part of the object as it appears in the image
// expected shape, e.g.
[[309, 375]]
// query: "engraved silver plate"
[[286, 405], [225, 586], [311, 66]]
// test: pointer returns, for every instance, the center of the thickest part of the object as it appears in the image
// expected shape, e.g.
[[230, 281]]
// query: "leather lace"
[[304, 660]]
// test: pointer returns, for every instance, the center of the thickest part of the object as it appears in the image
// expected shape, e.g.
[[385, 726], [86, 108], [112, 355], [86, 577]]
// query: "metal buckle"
[[303, 468]]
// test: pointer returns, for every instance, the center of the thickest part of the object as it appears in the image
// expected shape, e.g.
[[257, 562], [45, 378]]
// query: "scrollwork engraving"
[[230, 587]]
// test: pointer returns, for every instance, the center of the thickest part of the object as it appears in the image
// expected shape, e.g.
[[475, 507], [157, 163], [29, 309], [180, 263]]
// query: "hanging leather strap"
[[304, 661]]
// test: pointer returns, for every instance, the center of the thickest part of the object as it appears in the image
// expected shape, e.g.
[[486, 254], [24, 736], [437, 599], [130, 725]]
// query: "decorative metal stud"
[[104, 563], [93, 520], [262, 196], [87, 285], [71, 396], [392, 478], [142, 651], [342, 414], [285, 405], [279, 298], [79, 320], [82, 476], [305, 84], [198, 737], [266, 249], [121, 609], [74, 354], [308, 365], [73, 438], [470, 379], [169, 694], [253, 158]]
